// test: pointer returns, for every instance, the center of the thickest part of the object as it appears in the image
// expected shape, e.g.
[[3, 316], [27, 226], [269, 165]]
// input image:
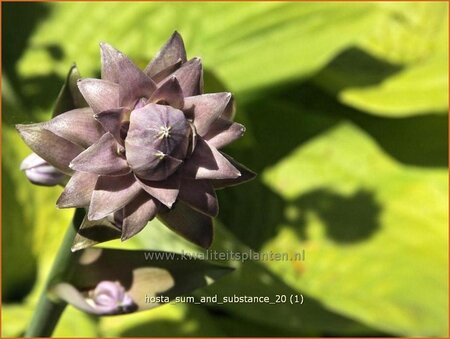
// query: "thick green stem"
[[49, 311]]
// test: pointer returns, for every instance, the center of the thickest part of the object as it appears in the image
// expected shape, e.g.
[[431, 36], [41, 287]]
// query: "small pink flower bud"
[[40, 172], [109, 297]]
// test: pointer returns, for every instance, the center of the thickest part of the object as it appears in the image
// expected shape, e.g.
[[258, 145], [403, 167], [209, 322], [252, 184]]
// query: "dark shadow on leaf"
[[55, 51], [303, 110], [354, 68], [418, 140], [188, 223], [311, 319], [163, 328], [347, 219], [252, 213], [212, 83], [97, 233], [294, 115], [281, 119], [18, 22], [195, 322], [42, 91], [415, 140], [36, 93], [275, 127], [235, 326]]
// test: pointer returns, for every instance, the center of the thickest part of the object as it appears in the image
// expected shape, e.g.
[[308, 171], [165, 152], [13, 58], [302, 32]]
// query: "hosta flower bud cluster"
[[147, 145]]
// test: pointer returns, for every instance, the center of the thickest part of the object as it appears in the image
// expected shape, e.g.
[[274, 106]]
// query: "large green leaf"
[[247, 45], [356, 212], [408, 32], [420, 89], [374, 231], [407, 73], [249, 279]]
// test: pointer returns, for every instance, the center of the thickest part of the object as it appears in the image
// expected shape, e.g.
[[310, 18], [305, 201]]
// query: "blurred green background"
[[345, 106]]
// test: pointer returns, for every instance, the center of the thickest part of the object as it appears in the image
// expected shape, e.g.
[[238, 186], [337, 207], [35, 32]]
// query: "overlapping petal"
[[111, 194], [205, 109], [208, 163], [137, 214], [223, 132], [111, 60], [133, 84], [78, 191], [230, 110], [111, 121], [102, 158], [246, 175], [119, 69], [166, 191], [101, 95], [169, 93], [200, 195], [57, 151], [92, 232], [171, 53], [77, 126], [190, 77], [165, 73]]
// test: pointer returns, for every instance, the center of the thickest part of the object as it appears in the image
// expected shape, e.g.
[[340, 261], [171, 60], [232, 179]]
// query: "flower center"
[[164, 132], [157, 141], [160, 155]]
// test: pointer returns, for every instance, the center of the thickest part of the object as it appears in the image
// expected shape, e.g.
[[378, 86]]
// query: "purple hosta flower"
[[40, 172], [107, 298], [147, 145]]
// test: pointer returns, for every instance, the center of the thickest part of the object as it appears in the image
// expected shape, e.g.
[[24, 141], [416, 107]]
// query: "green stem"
[[49, 311]]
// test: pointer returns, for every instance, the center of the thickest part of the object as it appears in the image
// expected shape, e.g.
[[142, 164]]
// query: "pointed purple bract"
[[137, 214], [169, 93], [170, 54], [78, 191], [101, 95], [112, 194]]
